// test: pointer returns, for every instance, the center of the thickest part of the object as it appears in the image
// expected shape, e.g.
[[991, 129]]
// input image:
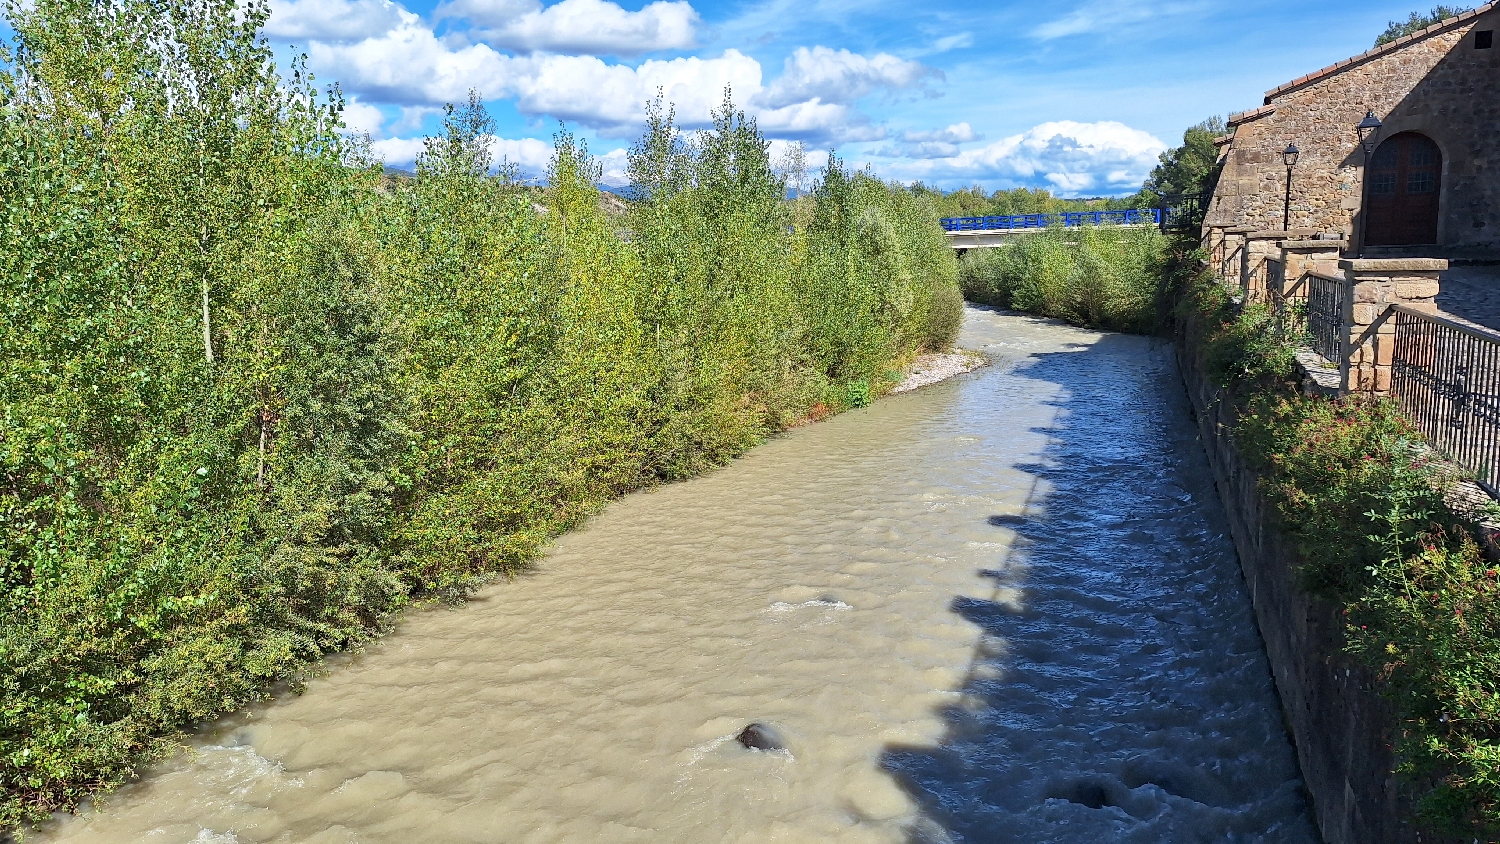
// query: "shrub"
[[257, 399], [1366, 503], [1104, 277]]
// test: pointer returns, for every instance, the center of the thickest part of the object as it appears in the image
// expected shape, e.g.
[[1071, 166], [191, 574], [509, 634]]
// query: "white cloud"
[[1074, 158], [956, 133], [363, 117], [839, 76], [529, 154], [613, 164], [331, 20], [612, 98], [937, 143], [410, 66], [578, 26], [1111, 15], [953, 42], [397, 151]]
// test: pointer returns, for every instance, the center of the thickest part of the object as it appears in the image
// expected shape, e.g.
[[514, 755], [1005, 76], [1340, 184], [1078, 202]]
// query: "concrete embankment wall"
[[1342, 729]]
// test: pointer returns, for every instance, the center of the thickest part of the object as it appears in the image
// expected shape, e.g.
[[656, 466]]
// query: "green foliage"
[[1417, 22], [1192, 167], [1366, 503], [1105, 276], [974, 202], [1430, 626], [257, 398]]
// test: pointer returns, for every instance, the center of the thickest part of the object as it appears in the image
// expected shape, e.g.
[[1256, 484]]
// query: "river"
[[1003, 608]]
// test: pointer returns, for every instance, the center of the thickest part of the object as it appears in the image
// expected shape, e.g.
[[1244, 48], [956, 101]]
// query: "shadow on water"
[[1119, 690]]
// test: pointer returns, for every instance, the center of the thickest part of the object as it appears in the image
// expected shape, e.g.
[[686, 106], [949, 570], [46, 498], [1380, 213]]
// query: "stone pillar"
[[1375, 284], [1309, 256], [1260, 245]]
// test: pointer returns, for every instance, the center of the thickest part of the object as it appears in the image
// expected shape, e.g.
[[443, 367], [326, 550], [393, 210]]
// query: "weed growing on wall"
[[256, 398]]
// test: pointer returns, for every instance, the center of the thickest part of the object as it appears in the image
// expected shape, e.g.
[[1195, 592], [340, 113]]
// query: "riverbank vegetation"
[[1099, 276], [1370, 509], [257, 398]]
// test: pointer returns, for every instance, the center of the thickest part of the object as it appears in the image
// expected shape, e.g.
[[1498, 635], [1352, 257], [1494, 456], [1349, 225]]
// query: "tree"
[[1418, 22], [1192, 167]]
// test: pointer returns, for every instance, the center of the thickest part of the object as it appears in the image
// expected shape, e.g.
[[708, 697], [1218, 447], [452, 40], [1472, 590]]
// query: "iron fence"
[[1266, 274], [1445, 376], [1229, 263], [1274, 271], [1325, 314]]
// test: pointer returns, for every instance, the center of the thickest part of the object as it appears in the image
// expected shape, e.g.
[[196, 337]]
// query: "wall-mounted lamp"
[[1367, 130]]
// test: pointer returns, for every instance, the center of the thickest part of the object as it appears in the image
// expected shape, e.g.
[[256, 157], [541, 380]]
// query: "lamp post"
[[1367, 130], [1289, 158]]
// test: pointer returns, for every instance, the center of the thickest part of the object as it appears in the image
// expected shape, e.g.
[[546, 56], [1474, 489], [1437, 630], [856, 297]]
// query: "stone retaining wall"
[[1340, 726]]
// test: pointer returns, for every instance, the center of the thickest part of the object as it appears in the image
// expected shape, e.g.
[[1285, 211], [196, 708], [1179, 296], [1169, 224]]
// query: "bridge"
[[996, 230]]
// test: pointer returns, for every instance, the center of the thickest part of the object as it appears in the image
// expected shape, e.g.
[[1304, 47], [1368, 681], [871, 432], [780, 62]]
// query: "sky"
[[1077, 96]]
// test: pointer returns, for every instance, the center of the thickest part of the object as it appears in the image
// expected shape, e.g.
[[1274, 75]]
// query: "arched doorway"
[[1401, 191]]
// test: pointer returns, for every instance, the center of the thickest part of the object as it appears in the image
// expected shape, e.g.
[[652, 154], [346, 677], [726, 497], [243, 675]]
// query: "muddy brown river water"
[[1003, 608]]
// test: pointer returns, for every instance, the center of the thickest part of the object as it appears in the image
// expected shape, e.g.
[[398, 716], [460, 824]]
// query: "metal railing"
[[1229, 263], [1325, 314], [1267, 274], [1445, 376], [1066, 219], [1183, 211], [1274, 272]]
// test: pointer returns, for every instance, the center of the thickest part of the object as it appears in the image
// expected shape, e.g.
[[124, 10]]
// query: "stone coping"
[[1440, 26], [1239, 229], [1276, 234], [1386, 265], [1316, 244]]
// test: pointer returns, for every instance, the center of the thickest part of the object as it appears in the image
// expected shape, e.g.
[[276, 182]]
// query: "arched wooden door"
[[1401, 191]]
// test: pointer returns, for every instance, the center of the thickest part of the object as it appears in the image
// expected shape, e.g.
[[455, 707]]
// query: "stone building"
[[1431, 186]]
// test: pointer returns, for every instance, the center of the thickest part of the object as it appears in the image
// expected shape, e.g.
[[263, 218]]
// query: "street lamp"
[[1289, 158], [1367, 130]]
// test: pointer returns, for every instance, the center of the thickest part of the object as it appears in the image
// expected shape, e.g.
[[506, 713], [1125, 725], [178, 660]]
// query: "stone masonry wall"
[[1436, 83]]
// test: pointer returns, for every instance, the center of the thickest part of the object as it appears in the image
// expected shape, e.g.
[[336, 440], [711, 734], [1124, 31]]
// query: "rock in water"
[[758, 736]]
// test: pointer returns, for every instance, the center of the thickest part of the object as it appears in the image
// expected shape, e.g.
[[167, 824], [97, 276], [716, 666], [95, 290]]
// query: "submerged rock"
[[758, 736]]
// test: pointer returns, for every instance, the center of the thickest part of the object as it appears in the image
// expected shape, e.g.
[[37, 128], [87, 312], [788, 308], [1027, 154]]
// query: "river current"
[[1002, 608]]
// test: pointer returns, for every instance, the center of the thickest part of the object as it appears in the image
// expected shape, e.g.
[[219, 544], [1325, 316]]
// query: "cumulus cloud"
[[363, 118], [408, 65], [1073, 158], [839, 76], [578, 26], [529, 154], [956, 133], [937, 143], [331, 20]]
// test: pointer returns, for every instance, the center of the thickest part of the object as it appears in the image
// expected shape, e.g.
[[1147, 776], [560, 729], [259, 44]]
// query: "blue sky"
[[1074, 95]]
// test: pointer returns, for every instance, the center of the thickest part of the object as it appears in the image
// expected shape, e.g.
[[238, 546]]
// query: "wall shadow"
[[1119, 689]]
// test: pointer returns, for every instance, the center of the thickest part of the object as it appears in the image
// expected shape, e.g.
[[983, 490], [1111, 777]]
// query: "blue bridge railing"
[[1067, 219]]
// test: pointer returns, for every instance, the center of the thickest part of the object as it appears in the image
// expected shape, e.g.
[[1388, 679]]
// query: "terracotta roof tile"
[[1252, 114], [1440, 26]]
